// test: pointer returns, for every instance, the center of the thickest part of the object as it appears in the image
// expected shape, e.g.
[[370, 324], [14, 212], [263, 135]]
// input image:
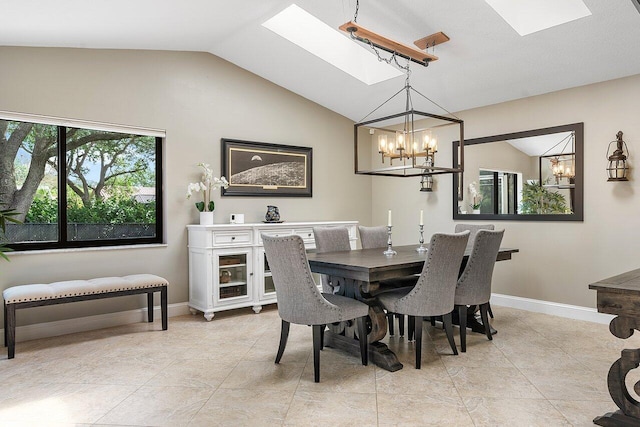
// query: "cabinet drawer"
[[274, 233], [232, 238], [305, 233]]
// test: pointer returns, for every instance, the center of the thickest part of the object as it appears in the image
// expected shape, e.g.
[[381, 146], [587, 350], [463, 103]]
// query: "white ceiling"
[[485, 62]]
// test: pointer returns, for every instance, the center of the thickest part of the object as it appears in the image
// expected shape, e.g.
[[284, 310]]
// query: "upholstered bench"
[[25, 296]]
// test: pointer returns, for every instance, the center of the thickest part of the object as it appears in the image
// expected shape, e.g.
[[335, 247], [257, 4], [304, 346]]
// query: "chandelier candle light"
[[421, 248], [389, 251]]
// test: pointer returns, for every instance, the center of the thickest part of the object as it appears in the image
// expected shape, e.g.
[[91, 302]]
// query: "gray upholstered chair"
[[473, 229], [373, 237], [376, 237], [330, 239], [434, 293], [300, 301], [474, 285]]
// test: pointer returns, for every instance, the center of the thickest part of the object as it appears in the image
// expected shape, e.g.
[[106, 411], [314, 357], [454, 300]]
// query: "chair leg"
[[322, 337], [489, 310], [411, 327], [284, 335], [485, 320], [433, 320], [418, 343], [364, 342], [448, 328], [317, 333], [401, 324], [462, 315], [390, 321], [5, 324]]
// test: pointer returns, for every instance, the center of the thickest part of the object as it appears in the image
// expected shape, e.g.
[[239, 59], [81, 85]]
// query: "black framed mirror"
[[533, 175]]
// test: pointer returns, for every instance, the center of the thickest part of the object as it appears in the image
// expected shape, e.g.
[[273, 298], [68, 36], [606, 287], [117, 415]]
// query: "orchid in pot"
[[207, 184], [476, 197]]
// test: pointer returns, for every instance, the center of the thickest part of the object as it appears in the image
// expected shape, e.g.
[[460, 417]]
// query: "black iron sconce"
[[618, 168]]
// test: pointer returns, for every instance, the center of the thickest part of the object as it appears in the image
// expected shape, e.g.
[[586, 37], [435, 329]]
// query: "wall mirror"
[[534, 175]]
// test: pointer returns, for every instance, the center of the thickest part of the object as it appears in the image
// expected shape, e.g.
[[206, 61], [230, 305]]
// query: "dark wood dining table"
[[358, 274]]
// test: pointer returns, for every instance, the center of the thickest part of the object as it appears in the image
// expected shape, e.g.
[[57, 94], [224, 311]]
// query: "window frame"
[[62, 241]]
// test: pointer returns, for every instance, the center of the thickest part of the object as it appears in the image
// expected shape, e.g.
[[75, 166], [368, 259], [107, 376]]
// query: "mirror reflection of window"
[[501, 191]]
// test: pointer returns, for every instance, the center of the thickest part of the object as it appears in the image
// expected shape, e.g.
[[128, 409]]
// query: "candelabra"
[[389, 251], [421, 248]]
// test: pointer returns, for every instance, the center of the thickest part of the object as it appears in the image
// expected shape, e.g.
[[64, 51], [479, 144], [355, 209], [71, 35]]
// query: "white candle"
[[389, 218], [421, 217]]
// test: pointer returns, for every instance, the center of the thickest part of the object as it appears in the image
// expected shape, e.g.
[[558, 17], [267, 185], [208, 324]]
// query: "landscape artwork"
[[263, 169]]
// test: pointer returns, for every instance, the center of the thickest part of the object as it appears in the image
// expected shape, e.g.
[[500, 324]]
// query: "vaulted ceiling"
[[485, 62]]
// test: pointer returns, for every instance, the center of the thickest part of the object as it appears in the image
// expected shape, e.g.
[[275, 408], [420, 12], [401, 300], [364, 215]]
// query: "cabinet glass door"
[[269, 287], [232, 276]]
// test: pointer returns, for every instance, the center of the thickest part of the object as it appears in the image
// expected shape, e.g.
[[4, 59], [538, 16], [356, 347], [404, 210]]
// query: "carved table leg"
[[629, 413], [379, 353]]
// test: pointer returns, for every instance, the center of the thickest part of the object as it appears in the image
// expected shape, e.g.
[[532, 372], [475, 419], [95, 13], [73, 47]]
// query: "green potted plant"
[[537, 199]]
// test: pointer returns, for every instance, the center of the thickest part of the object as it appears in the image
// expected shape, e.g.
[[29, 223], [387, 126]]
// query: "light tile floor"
[[539, 370]]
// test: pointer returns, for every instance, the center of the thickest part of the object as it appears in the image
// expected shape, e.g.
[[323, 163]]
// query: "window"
[[79, 186], [500, 191]]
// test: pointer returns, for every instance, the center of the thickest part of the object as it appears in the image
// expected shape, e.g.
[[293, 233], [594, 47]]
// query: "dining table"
[[360, 274]]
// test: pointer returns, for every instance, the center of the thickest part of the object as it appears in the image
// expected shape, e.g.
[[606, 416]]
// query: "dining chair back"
[[373, 237], [330, 239], [474, 285], [300, 301], [473, 230], [377, 237], [434, 293]]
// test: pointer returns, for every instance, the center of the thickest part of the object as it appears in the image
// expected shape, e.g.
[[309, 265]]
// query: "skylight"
[[529, 16], [305, 30]]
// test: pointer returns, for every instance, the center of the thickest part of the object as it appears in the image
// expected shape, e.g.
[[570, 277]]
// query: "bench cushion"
[[71, 288]]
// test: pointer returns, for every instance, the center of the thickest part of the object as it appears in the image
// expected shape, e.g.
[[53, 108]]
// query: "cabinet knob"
[[309, 235], [233, 237]]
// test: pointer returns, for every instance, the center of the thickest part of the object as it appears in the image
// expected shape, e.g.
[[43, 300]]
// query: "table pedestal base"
[[379, 353], [615, 419]]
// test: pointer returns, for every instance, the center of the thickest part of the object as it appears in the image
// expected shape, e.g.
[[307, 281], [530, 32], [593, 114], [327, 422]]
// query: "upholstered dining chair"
[[300, 301], [330, 239], [376, 237], [474, 285], [473, 229], [373, 237], [434, 293]]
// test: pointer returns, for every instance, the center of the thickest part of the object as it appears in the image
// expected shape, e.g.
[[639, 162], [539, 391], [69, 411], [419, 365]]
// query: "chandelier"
[[562, 164]]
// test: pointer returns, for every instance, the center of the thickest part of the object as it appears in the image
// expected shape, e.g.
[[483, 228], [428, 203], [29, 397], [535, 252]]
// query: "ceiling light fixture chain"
[[355, 16]]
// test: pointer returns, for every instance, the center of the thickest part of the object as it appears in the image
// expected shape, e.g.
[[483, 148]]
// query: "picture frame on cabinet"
[[266, 170]]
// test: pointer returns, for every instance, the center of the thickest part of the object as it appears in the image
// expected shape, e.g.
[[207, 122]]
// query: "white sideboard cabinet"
[[228, 268]]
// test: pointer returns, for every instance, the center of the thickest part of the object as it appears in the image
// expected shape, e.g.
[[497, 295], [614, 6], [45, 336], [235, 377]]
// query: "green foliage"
[[117, 209], [537, 199], [6, 215]]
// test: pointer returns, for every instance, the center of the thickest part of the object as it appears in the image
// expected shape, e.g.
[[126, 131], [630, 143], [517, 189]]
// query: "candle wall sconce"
[[618, 169]]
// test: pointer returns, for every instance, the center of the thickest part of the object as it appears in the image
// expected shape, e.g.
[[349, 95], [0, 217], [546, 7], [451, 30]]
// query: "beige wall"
[[557, 260], [198, 98]]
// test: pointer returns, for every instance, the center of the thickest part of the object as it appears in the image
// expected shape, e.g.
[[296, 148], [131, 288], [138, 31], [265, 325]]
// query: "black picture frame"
[[266, 170]]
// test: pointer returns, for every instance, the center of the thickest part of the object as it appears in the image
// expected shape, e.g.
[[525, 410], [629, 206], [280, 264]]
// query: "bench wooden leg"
[[5, 324], [163, 306], [10, 329], [150, 307]]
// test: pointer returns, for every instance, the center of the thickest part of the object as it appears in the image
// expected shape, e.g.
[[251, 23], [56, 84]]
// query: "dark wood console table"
[[620, 295]]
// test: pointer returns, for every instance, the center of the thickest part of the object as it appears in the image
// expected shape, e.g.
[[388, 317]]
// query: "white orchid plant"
[[206, 185], [476, 197]]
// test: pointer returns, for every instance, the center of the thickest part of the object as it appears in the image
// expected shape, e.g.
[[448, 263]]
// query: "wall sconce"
[[426, 183], [618, 167]]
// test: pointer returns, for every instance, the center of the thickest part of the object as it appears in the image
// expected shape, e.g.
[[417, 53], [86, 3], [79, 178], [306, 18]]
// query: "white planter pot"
[[476, 211], [206, 218]]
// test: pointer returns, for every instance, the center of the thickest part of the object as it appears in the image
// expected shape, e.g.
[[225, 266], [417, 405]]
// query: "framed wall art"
[[263, 169]]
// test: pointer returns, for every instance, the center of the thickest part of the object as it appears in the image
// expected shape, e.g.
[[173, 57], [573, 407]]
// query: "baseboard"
[[553, 308], [88, 323]]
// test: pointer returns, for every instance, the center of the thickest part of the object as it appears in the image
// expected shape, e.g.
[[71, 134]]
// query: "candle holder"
[[421, 249], [389, 251]]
